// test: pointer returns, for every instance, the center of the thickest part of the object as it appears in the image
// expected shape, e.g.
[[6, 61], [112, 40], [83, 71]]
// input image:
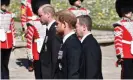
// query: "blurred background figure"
[[7, 37], [123, 30], [77, 9]]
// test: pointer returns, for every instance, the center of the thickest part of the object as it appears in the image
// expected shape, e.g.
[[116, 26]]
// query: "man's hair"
[[68, 17], [85, 20], [47, 8]]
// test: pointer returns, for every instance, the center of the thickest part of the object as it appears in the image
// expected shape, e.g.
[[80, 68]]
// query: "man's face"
[[77, 3], [3, 7], [43, 17], [60, 28], [79, 29], [129, 15]]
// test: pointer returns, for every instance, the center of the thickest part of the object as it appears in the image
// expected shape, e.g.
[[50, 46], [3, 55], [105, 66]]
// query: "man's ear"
[[66, 24], [48, 14], [84, 27]]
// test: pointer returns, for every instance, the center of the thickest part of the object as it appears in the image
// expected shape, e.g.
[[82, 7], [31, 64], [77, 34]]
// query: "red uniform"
[[79, 11], [33, 28], [124, 47], [7, 24], [7, 40], [124, 38]]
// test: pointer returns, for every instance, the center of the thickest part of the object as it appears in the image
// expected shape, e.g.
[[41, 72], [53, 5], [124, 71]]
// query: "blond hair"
[[47, 8]]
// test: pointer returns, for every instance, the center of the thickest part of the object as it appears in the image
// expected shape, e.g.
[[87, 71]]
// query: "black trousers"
[[37, 69], [30, 63], [5, 55], [127, 69]]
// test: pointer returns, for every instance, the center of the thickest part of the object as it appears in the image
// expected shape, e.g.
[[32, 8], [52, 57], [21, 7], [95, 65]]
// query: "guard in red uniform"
[[35, 34], [123, 30], [77, 9], [7, 37], [26, 15]]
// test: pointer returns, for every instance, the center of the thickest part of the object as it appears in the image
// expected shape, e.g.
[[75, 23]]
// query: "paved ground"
[[18, 64]]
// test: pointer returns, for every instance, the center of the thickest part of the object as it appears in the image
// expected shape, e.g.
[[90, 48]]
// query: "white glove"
[[14, 42], [132, 47], [39, 44], [29, 54], [3, 35]]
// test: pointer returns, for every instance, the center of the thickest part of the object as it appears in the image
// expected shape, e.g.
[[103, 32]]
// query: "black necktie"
[[46, 31]]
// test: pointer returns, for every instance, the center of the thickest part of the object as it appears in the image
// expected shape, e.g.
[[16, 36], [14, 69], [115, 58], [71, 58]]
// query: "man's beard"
[[60, 33]]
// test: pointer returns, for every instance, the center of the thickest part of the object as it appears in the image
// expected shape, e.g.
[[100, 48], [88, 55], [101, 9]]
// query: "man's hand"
[[23, 29], [119, 62]]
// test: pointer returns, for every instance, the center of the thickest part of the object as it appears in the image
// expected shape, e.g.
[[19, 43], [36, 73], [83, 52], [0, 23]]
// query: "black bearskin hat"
[[123, 6], [38, 3], [5, 2], [73, 1]]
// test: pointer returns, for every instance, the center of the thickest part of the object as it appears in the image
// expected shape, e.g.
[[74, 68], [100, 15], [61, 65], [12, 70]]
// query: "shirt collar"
[[67, 36], [127, 19], [85, 36], [49, 25], [2, 11], [75, 7]]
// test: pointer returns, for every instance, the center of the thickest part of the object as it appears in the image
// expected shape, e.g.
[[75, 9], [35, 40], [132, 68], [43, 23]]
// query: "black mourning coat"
[[93, 58], [49, 52], [70, 59]]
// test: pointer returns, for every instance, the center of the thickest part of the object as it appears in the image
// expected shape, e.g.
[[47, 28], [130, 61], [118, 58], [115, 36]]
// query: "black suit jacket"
[[49, 53], [69, 59], [93, 58]]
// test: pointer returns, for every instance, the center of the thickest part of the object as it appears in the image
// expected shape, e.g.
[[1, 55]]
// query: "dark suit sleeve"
[[93, 60], [55, 49], [73, 60]]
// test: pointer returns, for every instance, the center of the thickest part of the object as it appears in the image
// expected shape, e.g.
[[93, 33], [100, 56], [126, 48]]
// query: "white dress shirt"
[[49, 25], [67, 36]]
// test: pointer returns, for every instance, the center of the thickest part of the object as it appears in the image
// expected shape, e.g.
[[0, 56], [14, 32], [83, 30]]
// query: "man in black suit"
[[51, 45], [70, 55], [91, 48]]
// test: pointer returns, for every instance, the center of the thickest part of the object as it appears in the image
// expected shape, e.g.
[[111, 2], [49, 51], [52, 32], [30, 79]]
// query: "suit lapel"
[[52, 27], [48, 32]]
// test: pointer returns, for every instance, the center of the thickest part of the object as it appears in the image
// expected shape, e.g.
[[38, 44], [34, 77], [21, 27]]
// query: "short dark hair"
[[85, 20], [68, 17]]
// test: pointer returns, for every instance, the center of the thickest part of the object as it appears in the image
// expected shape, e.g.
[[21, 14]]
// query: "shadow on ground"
[[106, 44], [22, 62]]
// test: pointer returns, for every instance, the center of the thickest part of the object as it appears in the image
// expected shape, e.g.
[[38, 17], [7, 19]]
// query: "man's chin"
[[43, 23], [59, 33], [77, 34]]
